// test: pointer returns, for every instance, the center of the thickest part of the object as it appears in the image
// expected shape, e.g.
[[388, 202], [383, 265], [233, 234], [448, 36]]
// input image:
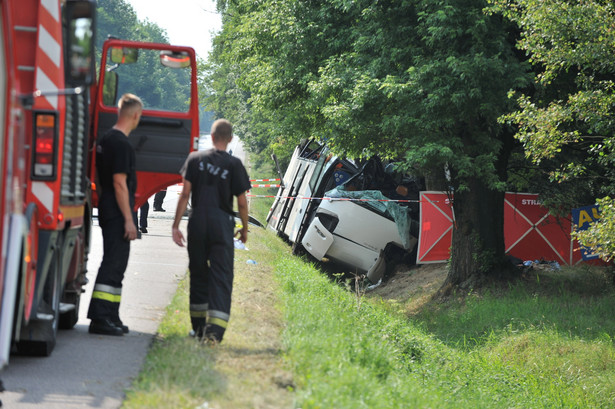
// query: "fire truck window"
[[161, 87]]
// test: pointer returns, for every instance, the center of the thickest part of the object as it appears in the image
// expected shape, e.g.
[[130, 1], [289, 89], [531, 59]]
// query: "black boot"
[[105, 327]]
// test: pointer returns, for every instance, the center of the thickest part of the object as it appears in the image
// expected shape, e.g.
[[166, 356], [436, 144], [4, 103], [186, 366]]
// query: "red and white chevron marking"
[[49, 78]]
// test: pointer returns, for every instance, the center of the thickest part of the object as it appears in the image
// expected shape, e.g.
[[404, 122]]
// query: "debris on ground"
[[542, 264], [239, 245]]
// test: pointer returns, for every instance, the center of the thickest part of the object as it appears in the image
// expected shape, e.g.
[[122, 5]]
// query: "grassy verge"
[[246, 370], [296, 339], [513, 348]]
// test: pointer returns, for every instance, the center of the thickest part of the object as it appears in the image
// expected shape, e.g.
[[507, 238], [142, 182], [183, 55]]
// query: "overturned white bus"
[[361, 216]]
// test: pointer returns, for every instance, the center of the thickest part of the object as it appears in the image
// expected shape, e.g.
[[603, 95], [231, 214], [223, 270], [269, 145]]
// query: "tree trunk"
[[478, 236], [435, 179]]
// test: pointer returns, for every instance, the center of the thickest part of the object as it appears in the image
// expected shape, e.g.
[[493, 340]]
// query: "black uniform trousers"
[[143, 213], [158, 199], [107, 293], [211, 251], [139, 217]]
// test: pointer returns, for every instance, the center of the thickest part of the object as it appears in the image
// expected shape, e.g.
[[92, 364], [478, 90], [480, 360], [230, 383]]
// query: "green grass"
[[246, 370], [512, 348], [545, 341], [177, 372], [576, 302]]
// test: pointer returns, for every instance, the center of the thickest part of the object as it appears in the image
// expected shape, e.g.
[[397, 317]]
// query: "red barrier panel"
[[530, 233]]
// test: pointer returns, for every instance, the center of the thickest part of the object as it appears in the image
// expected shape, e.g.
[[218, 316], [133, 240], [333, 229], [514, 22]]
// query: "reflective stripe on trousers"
[[218, 318], [198, 310], [106, 296], [210, 247], [200, 314], [107, 293]]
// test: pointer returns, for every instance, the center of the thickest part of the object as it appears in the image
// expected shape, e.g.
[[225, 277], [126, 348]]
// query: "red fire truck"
[[50, 114]]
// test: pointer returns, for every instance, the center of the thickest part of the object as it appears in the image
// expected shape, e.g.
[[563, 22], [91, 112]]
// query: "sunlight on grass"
[[526, 346], [178, 372], [484, 352], [545, 341], [246, 370]]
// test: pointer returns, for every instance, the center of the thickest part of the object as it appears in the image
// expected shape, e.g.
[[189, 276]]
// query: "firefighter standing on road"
[[213, 177], [115, 167]]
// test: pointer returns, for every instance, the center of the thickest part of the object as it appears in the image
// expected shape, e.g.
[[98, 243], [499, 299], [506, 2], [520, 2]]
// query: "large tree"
[[569, 121], [419, 81], [158, 86]]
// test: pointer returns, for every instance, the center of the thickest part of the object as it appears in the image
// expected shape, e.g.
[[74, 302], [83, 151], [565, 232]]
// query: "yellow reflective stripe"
[[218, 322], [106, 296], [219, 314], [198, 314]]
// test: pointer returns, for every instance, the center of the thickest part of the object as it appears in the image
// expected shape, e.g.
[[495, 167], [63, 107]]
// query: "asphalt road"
[[93, 371]]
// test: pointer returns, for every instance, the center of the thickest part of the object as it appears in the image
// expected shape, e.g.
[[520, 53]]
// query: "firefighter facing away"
[[117, 183], [212, 177]]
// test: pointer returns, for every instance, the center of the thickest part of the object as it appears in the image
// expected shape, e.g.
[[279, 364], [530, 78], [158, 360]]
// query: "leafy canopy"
[[157, 86], [570, 120], [416, 80]]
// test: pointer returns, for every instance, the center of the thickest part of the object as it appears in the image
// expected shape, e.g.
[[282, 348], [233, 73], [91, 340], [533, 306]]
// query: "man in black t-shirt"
[[117, 183], [213, 177]]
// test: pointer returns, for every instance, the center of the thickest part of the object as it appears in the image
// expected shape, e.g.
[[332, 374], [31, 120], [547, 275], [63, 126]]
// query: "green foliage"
[[416, 81], [569, 122], [159, 87], [600, 236], [247, 79], [262, 168], [386, 78], [115, 18]]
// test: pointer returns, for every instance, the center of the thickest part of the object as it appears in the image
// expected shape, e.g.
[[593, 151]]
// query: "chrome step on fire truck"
[[50, 114]]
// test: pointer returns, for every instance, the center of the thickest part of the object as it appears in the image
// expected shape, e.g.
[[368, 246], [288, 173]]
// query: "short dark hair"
[[128, 102], [222, 129]]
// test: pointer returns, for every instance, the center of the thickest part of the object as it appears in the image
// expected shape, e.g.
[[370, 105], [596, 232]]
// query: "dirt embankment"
[[415, 283]]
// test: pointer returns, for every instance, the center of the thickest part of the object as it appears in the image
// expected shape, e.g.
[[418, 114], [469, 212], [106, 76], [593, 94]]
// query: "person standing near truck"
[[158, 199], [115, 167], [212, 177]]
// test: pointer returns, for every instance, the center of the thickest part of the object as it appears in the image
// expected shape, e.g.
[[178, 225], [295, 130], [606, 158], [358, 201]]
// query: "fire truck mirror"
[[124, 55], [80, 61], [175, 59]]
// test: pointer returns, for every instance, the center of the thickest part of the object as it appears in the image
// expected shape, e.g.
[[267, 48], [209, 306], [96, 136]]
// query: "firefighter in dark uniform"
[[213, 177], [117, 183]]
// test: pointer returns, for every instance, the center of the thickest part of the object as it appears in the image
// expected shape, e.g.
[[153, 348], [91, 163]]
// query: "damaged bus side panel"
[[361, 217]]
